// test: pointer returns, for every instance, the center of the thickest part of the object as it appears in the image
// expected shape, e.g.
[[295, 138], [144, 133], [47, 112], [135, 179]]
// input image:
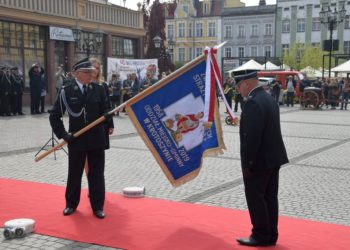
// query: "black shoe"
[[253, 242], [68, 211], [99, 214], [20, 113]]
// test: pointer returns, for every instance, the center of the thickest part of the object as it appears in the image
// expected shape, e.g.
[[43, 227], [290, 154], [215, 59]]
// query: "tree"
[[154, 23], [301, 56]]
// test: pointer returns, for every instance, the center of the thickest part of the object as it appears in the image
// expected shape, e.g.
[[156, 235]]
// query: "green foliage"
[[308, 56]]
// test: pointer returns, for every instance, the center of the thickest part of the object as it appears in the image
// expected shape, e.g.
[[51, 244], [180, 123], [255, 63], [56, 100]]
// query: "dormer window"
[[206, 8]]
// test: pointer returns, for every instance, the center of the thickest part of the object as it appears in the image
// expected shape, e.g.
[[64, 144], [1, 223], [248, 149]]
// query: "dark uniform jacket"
[[95, 106], [260, 132]]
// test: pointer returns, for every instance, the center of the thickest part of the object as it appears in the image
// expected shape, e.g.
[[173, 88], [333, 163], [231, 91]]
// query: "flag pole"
[[116, 109]]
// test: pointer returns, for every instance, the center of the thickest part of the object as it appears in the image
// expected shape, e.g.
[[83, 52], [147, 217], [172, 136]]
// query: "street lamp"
[[171, 45], [90, 45], [331, 18], [157, 40]]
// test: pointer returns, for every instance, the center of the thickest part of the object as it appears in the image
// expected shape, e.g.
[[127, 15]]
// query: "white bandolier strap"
[[64, 99]]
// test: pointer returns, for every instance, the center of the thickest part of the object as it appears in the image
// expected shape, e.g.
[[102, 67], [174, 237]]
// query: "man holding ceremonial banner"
[[85, 102]]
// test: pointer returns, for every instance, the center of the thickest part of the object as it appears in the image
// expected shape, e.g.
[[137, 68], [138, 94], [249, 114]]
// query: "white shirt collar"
[[80, 85]]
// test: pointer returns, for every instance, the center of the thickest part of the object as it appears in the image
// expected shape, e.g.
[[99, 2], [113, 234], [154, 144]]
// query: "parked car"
[[265, 82]]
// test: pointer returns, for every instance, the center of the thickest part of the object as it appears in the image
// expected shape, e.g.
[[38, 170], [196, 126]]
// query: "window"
[[254, 51], [240, 52], [347, 22], [181, 54], [301, 25], [241, 31], [185, 9], [206, 8], [267, 51], [170, 31], [268, 29], [21, 45], [190, 30], [285, 49], [316, 24], [228, 52], [199, 52], [123, 47], [254, 30], [181, 30], [199, 29], [190, 54], [285, 26], [211, 31], [228, 31], [347, 47]]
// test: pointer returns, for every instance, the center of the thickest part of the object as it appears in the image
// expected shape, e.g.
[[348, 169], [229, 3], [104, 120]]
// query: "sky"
[[132, 4]]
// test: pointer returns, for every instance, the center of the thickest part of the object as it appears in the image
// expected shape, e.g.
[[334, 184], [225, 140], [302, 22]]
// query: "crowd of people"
[[11, 91], [336, 91]]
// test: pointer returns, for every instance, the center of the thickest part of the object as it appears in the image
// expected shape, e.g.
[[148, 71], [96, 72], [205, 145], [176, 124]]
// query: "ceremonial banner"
[[124, 67], [169, 118]]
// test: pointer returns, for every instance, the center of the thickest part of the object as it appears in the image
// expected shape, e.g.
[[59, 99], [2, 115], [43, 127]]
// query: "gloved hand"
[[107, 115], [68, 137]]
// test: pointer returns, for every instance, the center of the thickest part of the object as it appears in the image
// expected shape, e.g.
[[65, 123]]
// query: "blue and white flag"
[[169, 118]]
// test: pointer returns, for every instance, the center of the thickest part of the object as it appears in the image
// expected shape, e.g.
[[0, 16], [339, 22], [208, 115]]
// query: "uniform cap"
[[244, 75], [84, 64]]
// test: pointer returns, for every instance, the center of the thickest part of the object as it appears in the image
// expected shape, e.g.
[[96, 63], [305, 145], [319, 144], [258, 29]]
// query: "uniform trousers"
[[261, 191], [96, 181]]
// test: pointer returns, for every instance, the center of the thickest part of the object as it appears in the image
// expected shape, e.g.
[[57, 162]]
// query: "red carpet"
[[154, 224]]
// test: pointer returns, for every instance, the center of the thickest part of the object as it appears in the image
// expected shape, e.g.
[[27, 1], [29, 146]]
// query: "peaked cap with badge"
[[244, 75]]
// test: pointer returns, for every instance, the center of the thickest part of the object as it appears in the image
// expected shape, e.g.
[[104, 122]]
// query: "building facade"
[[40, 31], [194, 26], [298, 21], [249, 32]]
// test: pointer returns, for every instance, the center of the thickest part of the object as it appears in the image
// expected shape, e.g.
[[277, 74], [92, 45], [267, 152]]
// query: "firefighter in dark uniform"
[[262, 154], [85, 102], [5, 91], [18, 86]]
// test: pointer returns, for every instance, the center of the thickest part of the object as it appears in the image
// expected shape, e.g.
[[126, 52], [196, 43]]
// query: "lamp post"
[[171, 45], [90, 45], [331, 18]]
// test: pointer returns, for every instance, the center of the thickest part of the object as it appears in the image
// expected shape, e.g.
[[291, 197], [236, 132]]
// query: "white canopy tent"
[[311, 72], [270, 66], [250, 65], [345, 67]]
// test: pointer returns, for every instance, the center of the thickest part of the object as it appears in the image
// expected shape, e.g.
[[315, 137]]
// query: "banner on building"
[[124, 67], [169, 118]]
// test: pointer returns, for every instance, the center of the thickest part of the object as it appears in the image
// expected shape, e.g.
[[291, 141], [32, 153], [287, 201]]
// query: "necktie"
[[84, 90]]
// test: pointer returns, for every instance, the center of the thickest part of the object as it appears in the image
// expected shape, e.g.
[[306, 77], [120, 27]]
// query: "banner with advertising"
[[169, 118], [124, 67]]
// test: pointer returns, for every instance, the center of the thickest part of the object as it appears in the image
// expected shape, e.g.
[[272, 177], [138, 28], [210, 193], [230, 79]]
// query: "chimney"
[[262, 2]]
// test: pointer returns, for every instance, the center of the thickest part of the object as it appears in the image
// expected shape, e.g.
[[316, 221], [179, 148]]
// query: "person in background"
[[262, 154], [43, 93], [60, 77], [18, 85], [115, 88], [345, 94], [98, 79], [148, 81], [291, 85], [276, 90], [85, 101], [229, 91], [35, 83]]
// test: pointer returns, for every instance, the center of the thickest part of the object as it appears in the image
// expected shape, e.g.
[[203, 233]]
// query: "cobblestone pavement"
[[314, 185]]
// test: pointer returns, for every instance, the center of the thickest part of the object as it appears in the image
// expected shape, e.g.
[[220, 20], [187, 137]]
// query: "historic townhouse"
[[194, 26], [249, 32], [40, 31]]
